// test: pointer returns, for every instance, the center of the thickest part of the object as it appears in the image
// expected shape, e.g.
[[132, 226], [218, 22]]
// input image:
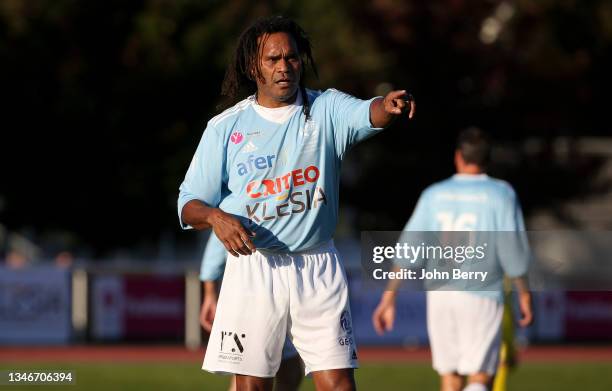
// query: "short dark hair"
[[474, 146], [239, 74]]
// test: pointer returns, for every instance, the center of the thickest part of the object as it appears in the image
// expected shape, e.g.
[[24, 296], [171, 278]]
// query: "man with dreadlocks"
[[265, 178]]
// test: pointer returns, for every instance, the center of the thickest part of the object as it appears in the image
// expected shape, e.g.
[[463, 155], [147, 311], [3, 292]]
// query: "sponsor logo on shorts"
[[232, 346], [345, 322], [345, 341]]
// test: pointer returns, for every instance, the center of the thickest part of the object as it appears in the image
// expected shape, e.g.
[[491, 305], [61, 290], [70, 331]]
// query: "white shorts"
[[464, 332], [266, 298]]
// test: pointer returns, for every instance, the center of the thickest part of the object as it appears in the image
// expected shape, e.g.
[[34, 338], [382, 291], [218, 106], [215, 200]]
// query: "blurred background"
[[104, 102]]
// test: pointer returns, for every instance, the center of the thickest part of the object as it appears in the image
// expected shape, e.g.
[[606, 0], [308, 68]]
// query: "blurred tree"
[[105, 102]]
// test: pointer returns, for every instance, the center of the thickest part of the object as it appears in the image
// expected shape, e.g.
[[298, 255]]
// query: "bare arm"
[[198, 215], [383, 111], [524, 297], [209, 304], [383, 317], [235, 238]]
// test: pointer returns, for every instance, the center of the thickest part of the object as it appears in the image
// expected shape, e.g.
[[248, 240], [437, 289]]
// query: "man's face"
[[281, 66]]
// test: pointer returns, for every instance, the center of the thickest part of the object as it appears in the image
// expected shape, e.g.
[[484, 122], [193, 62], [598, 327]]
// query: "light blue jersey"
[[474, 203], [213, 259], [278, 174]]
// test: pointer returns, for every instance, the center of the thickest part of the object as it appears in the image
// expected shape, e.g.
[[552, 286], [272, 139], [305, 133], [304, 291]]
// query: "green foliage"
[[108, 99]]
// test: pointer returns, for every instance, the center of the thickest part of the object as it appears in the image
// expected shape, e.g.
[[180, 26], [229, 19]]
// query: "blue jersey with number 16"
[[474, 203]]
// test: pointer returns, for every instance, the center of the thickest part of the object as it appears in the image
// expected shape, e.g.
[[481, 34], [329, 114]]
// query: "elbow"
[[195, 214]]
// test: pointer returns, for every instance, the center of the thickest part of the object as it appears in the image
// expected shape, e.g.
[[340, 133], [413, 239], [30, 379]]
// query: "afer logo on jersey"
[[253, 162]]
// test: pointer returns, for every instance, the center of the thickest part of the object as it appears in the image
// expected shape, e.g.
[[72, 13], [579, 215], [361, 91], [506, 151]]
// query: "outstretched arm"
[[383, 111]]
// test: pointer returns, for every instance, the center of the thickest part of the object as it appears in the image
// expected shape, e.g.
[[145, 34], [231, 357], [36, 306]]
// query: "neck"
[[470, 169], [272, 103]]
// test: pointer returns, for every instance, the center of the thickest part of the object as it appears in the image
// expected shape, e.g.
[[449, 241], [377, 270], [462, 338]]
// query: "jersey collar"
[[277, 115], [470, 176]]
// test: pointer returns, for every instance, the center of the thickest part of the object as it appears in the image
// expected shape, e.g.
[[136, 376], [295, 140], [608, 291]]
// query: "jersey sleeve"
[[510, 214], [421, 216], [205, 176], [513, 246], [213, 259], [351, 119]]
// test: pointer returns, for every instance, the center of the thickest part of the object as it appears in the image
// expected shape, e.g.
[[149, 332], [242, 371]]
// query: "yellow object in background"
[[507, 352]]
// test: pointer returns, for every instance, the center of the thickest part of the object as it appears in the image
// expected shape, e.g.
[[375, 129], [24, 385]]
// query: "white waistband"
[[317, 249]]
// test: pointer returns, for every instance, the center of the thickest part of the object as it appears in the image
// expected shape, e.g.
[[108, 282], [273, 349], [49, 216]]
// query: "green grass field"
[[176, 377]]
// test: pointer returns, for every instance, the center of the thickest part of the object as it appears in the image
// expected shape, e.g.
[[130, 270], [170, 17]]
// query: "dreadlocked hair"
[[244, 69]]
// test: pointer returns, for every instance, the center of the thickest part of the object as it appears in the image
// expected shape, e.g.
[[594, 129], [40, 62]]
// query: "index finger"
[[396, 94], [246, 239]]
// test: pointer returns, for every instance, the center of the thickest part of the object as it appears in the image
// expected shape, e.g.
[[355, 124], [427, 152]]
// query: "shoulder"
[[502, 189], [313, 95], [431, 191], [228, 116], [329, 96], [438, 187]]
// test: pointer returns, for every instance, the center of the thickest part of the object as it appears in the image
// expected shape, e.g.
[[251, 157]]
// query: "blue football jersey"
[[476, 203], [276, 172], [213, 259]]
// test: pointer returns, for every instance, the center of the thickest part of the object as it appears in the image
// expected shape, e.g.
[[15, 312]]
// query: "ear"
[[459, 162], [251, 74]]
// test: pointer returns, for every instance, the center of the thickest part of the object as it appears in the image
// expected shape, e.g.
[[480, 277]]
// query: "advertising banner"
[[35, 306], [410, 323], [138, 307], [588, 316]]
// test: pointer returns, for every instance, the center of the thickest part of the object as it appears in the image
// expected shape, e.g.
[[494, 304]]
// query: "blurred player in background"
[[465, 326], [265, 178], [290, 373]]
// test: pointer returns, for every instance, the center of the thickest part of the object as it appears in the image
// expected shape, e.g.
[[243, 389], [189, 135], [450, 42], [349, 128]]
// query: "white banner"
[[35, 305], [108, 307]]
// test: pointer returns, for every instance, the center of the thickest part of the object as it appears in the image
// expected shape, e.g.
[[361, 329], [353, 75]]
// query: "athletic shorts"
[[464, 332], [266, 298]]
